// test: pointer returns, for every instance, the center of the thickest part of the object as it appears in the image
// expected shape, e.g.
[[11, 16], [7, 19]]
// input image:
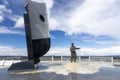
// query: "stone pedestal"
[[21, 66]]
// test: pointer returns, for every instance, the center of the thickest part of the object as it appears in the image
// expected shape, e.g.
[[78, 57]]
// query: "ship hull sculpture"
[[37, 35]]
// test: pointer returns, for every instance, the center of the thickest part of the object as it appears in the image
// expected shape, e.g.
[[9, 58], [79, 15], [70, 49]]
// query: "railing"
[[8, 62], [108, 59]]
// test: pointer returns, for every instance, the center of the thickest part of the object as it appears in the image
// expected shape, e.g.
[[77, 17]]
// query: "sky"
[[93, 25]]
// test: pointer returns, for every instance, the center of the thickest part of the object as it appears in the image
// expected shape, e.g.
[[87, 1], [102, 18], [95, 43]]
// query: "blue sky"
[[93, 25]]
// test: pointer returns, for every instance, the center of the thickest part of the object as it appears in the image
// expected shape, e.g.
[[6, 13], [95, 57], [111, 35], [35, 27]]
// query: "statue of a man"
[[73, 52]]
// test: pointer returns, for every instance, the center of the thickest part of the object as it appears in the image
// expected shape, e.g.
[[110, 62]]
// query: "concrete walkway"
[[65, 71]]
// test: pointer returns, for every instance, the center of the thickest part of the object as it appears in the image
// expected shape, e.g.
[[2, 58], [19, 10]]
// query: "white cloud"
[[3, 10], [112, 50], [6, 30], [14, 17], [58, 51], [6, 12], [12, 51], [2, 7], [53, 24], [19, 23], [1, 18], [95, 17]]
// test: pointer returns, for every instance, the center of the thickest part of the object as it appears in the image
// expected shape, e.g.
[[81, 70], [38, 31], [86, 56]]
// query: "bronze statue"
[[73, 52]]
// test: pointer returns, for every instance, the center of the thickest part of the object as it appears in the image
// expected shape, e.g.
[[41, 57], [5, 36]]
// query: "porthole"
[[42, 18]]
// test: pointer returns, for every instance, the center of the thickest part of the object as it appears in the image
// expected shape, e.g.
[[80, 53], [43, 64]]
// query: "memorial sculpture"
[[37, 35]]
